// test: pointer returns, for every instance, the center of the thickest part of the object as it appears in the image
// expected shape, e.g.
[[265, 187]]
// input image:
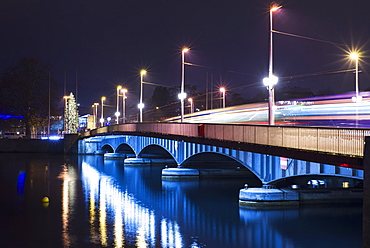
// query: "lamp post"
[[96, 113], [102, 111], [182, 94], [141, 104], [93, 113], [124, 91], [117, 114], [355, 56], [223, 91], [190, 100], [271, 80]]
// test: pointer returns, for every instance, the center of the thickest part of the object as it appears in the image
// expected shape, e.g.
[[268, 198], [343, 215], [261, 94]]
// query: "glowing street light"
[[190, 100], [274, 7], [223, 91], [117, 114], [271, 80], [124, 91], [182, 94], [141, 104], [102, 111], [355, 56]]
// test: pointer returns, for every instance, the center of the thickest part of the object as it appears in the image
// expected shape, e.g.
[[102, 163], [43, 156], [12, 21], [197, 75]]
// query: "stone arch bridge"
[[269, 169]]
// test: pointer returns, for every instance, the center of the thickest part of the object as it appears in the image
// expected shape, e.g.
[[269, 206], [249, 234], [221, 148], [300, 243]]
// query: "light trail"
[[336, 110]]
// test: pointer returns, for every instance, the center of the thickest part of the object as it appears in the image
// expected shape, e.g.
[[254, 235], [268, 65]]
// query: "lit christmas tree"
[[71, 116]]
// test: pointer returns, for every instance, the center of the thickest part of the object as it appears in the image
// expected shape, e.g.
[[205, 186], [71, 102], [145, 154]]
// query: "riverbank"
[[66, 145]]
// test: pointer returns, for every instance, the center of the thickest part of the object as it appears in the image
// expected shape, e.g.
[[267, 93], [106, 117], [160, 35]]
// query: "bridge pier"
[[114, 155], [366, 197], [137, 161], [162, 161], [180, 173], [267, 196]]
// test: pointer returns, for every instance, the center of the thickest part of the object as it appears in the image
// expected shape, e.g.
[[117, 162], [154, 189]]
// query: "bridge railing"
[[345, 141], [320, 139]]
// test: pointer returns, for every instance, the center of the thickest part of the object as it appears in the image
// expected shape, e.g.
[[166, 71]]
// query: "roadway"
[[331, 111]]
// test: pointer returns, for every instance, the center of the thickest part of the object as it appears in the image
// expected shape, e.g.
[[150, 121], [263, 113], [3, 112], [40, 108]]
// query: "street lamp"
[[271, 80], [190, 100], [117, 114], [124, 91], [355, 56], [223, 91], [182, 94], [96, 113], [102, 111], [141, 104]]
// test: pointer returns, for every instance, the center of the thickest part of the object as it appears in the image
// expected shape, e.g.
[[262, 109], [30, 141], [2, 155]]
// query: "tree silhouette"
[[25, 91], [160, 97]]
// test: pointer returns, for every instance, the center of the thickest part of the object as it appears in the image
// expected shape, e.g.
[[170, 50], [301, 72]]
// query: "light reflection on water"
[[181, 216], [101, 203], [121, 207]]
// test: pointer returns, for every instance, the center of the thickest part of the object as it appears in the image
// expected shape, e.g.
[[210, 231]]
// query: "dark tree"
[[235, 99], [327, 91], [25, 92], [260, 95], [286, 93], [174, 91], [160, 97]]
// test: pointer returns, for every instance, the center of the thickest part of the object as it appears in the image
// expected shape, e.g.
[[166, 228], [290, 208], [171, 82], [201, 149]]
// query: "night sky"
[[108, 42]]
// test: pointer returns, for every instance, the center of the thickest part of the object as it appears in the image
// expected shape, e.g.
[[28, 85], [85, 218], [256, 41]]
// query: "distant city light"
[[5, 117], [54, 137]]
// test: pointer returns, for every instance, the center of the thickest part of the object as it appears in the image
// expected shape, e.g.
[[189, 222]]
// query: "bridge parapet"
[[320, 139]]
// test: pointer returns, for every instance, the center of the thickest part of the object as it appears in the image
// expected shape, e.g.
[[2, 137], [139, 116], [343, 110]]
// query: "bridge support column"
[[114, 155], [137, 161], [366, 195], [267, 196], [180, 173]]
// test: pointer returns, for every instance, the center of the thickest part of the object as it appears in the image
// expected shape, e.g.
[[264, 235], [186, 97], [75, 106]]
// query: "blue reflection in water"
[[132, 207], [114, 210], [21, 182]]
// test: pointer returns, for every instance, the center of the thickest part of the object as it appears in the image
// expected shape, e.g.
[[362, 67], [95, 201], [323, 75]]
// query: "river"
[[102, 203]]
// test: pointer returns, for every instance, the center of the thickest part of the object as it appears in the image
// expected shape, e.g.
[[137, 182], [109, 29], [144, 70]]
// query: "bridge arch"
[[126, 149], [213, 160], [107, 148], [155, 151], [319, 181]]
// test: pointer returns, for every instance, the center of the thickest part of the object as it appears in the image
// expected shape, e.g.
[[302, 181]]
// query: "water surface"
[[102, 203]]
